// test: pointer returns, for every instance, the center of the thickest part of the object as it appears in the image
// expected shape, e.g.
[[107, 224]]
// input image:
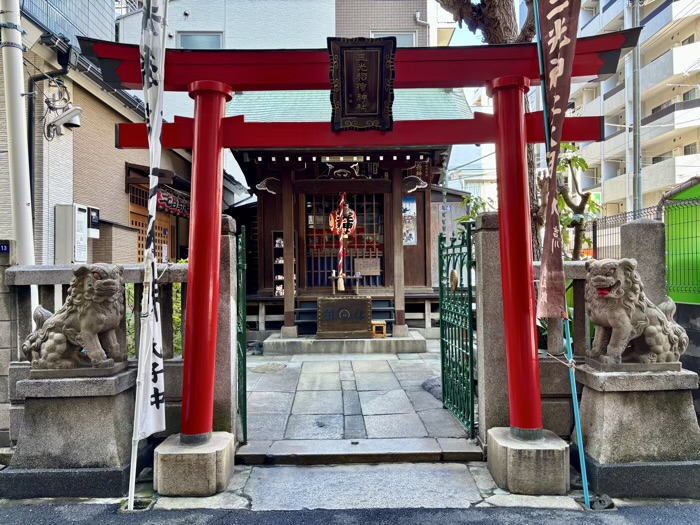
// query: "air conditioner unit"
[[71, 234]]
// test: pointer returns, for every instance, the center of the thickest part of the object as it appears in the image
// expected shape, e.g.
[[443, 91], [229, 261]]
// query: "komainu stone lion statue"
[[89, 319], [626, 321]]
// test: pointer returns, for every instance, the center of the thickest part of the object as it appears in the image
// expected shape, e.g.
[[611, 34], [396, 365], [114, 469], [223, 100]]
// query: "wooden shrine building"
[[394, 246]]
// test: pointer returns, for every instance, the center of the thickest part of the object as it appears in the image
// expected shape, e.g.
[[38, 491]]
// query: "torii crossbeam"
[[210, 77]]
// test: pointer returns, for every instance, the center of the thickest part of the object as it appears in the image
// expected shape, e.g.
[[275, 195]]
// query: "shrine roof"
[[315, 105]]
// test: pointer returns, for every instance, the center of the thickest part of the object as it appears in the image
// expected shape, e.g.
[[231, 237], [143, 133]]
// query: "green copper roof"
[[315, 106]]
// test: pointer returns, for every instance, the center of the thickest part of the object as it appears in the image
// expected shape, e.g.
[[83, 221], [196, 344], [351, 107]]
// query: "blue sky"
[[464, 37]]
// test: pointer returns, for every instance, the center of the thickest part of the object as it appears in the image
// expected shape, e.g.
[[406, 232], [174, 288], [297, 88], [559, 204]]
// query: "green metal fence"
[[682, 218], [456, 267], [241, 329]]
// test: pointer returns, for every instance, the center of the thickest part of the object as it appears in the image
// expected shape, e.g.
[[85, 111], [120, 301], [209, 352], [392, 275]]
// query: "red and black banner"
[[558, 25]]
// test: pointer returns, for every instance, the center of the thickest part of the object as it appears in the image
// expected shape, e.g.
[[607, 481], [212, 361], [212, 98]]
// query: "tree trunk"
[[497, 22]]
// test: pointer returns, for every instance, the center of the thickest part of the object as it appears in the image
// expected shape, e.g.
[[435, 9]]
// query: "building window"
[[691, 94], [402, 39], [690, 149], [689, 40], [660, 107], [200, 40], [662, 157]]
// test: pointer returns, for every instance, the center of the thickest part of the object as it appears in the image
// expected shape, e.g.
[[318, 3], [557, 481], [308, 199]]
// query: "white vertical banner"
[[149, 413]]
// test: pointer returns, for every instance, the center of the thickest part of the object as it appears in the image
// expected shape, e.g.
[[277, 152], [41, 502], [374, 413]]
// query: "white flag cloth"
[[150, 406]]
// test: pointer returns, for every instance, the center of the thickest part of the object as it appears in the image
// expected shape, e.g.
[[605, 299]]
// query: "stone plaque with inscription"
[[344, 317]]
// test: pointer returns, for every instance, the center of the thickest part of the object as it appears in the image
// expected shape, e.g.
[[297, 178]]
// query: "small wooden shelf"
[[278, 267]]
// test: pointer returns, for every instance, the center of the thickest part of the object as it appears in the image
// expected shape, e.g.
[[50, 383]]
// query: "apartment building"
[[78, 164], [670, 98]]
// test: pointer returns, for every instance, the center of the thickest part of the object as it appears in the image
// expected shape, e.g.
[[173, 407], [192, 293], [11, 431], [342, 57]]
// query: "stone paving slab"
[[266, 426], [348, 385], [283, 381], [375, 486], [351, 403], [423, 400], [315, 427], [378, 381], [270, 402], [355, 450], [409, 366], [251, 380], [440, 423], [371, 366], [347, 375], [460, 449], [320, 367], [318, 402], [355, 427], [395, 426], [253, 452], [319, 381], [385, 402]]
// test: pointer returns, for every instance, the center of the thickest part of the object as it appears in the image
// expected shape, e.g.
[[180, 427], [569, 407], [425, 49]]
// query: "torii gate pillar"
[[522, 458], [202, 315]]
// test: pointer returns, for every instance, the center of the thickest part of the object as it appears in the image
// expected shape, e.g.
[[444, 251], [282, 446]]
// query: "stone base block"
[[65, 483], [638, 417], [666, 479], [193, 470], [77, 423], [276, 344], [528, 467], [289, 332], [400, 330]]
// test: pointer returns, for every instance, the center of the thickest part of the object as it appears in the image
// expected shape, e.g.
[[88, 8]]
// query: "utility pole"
[[13, 71], [636, 117]]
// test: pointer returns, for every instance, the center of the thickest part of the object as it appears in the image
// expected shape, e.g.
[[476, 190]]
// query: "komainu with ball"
[[628, 325], [88, 320]]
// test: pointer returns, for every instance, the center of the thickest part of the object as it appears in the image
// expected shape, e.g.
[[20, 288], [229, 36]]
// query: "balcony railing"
[[614, 90], [678, 106], [609, 5]]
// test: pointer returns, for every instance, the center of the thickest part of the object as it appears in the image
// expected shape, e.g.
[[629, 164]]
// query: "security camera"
[[69, 118]]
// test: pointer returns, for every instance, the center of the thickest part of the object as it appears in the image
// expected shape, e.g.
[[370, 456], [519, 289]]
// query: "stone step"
[[342, 451]]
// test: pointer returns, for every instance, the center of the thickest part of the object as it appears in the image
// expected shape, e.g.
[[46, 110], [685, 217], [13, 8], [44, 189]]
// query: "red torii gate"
[[210, 77]]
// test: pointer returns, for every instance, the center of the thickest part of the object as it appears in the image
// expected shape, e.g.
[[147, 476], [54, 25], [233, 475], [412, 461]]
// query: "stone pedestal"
[[193, 470], [75, 439], [640, 433], [539, 467]]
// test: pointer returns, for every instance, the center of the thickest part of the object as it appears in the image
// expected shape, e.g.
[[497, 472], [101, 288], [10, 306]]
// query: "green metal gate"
[[456, 267], [242, 337]]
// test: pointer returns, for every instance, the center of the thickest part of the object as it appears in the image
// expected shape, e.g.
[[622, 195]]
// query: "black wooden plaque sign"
[[362, 83], [344, 317]]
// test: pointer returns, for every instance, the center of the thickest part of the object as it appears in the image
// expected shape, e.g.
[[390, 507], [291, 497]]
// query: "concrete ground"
[[331, 403], [419, 493]]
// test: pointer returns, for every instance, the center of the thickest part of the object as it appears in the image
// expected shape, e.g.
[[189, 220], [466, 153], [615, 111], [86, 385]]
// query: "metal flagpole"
[[572, 376], [149, 410]]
